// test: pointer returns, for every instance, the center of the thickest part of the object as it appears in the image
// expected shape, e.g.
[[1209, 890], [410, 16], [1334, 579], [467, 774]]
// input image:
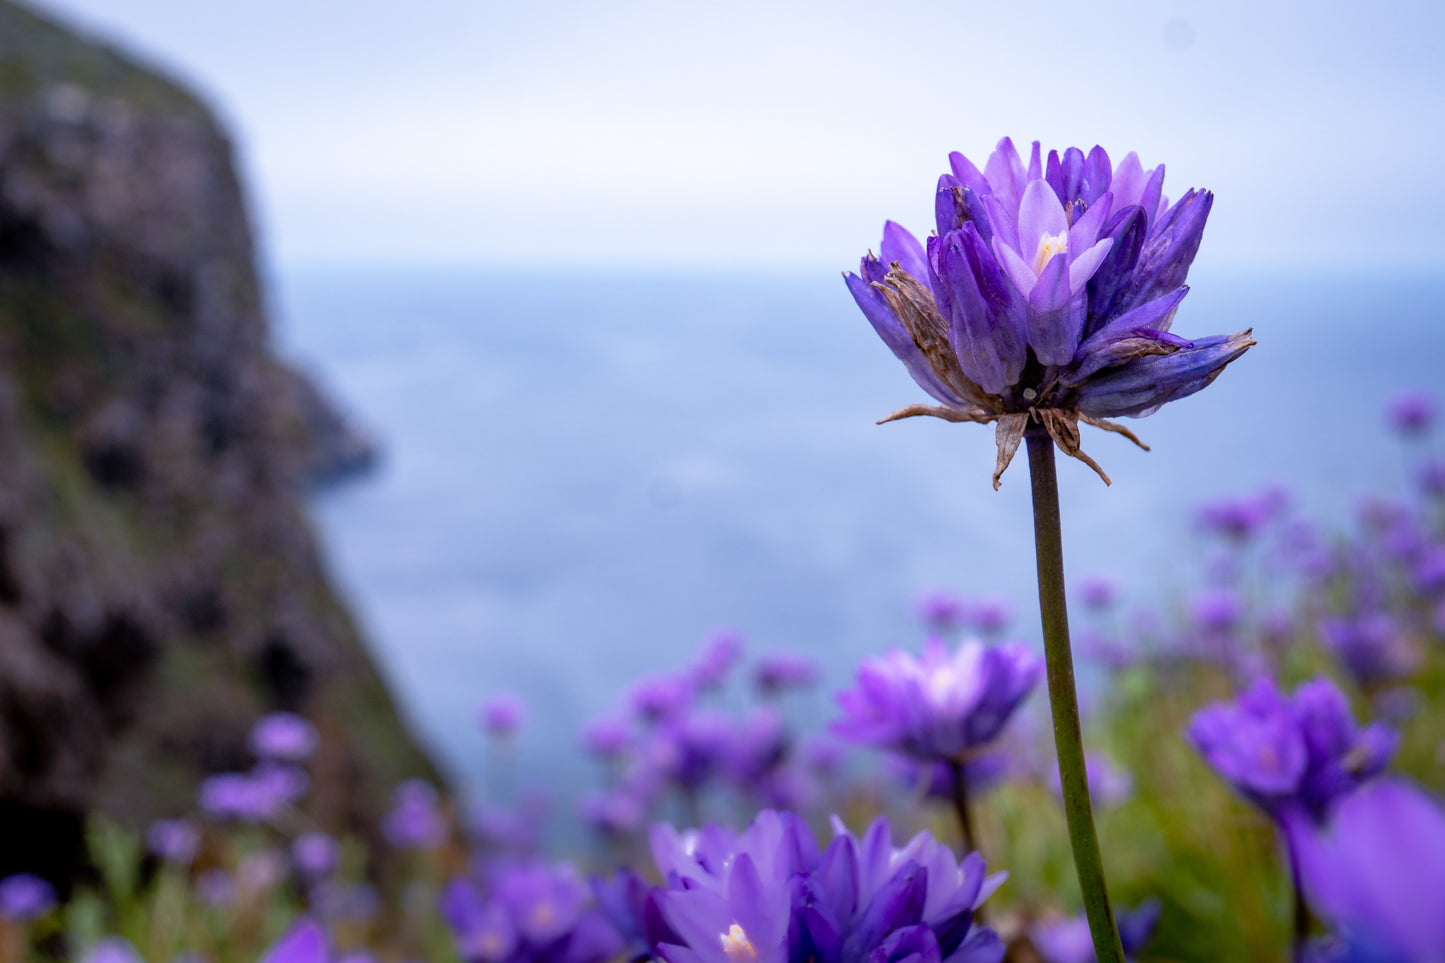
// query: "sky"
[[767, 134]]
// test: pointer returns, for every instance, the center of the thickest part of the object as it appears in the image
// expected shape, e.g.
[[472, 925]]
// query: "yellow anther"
[[736, 945], [1049, 245]]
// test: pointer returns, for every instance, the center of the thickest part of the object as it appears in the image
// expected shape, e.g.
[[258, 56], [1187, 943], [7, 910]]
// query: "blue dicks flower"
[[1046, 295], [770, 895], [1288, 755], [940, 706], [1068, 940], [528, 913], [283, 737], [25, 896], [1376, 870]]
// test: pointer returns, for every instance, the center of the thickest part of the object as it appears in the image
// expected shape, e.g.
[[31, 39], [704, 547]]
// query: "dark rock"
[[160, 587]]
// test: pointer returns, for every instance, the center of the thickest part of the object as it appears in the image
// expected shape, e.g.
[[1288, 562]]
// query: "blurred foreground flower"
[[1377, 871], [25, 896], [1046, 295], [1068, 940]]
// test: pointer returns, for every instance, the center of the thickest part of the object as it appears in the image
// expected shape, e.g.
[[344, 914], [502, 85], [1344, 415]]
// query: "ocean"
[[584, 474]]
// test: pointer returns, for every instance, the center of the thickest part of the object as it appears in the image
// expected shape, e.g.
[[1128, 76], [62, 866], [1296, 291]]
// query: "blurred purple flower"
[[284, 737], [1050, 289], [1242, 518], [1216, 611], [414, 821], [939, 706], [989, 616], [1429, 571], [216, 887], [935, 777], [941, 611], [25, 896], [517, 829], [112, 949], [1371, 646], [174, 840], [1376, 870], [1432, 477], [502, 713], [1412, 412], [1296, 754], [607, 737], [778, 672], [822, 754], [1068, 940], [719, 654], [528, 912], [304, 942], [612, 813], [250, 797], [315, 855], [633, 907], [1099, 592], [661, 696], [334, 901]]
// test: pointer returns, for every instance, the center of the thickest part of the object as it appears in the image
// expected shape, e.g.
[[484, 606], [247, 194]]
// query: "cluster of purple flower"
[[282, 742], [771, 894]]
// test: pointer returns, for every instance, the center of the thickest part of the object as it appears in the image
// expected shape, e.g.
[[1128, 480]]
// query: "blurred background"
[[573, 270]]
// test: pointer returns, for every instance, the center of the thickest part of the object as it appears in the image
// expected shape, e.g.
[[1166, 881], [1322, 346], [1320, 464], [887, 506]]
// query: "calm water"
[[584, 475]]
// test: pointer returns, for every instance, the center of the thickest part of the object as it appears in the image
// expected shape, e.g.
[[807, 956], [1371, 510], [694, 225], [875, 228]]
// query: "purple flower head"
[[25, 896], [414, 821], [1047, 294], [634, 908], [607, 737], [1412, 412], [989, 616], [757, 745], [1291, 754], [1099, 592], [1216, 611], [304, 942], [502, 714], [1376, 870], [661, 696], [939, 706], [822, 754], [284, 737], [249, 797], [216, 887], [935, 777], [174, 840], [1371, 646], [781, 671], [1429, 571], [613, 813], [1068, 940], [770, 894], [112, 949], [719, 654], [528, 912], [942, 611], [1242, 519], [315, 855]]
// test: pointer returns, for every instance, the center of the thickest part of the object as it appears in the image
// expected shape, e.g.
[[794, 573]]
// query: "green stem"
[[960, 806], [1049, 547]]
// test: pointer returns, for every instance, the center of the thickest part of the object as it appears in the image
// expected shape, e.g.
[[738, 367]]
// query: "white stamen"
[[1049, 245], [737, 946]]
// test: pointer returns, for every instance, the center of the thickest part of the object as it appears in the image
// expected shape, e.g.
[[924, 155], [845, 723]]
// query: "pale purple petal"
[[1082, 268], [901, 246], [1040, 214], [1018, 272], [1086, 229]]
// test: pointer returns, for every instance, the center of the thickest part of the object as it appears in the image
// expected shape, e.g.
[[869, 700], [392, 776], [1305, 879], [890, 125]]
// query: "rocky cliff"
[[159, 582]]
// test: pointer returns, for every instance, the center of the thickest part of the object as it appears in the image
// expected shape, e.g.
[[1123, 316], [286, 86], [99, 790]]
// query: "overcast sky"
[[767, 132]]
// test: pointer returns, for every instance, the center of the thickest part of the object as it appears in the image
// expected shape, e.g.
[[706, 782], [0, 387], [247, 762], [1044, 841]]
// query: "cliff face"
[[159, 583]]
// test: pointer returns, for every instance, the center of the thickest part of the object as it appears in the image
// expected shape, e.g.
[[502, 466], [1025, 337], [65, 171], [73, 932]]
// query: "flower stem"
[[1064, 701], [960, 806]]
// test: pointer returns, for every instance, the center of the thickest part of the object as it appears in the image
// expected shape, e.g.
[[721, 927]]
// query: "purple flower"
[[607, 737], [780, 671], [174, 840], [614, 812], [719, 654], [25, 896], [1376, 870], [634, 908], [1216, 611], [1068, 940], [1300, 753], [939, 706], [1099, 592], [935, 777], [502, 714], [216, 887], [250, 797], [1432, 477], [315, 855], [661, 696], [528, 912], [1371, 646], [284, 737], [112, 949], [414, 821], [1412, 412], [1241, 519], [770, 895], [304, 942], [942, 611], [1047, 293]]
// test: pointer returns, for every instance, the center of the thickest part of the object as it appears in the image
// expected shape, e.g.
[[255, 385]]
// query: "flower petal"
[[898, 245], [890, 329], [1005, 174], [1085, 230], [1082, 268], [1051, 291], [1142, 386], [968, 175], [1018, 272], [1040, 213]]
